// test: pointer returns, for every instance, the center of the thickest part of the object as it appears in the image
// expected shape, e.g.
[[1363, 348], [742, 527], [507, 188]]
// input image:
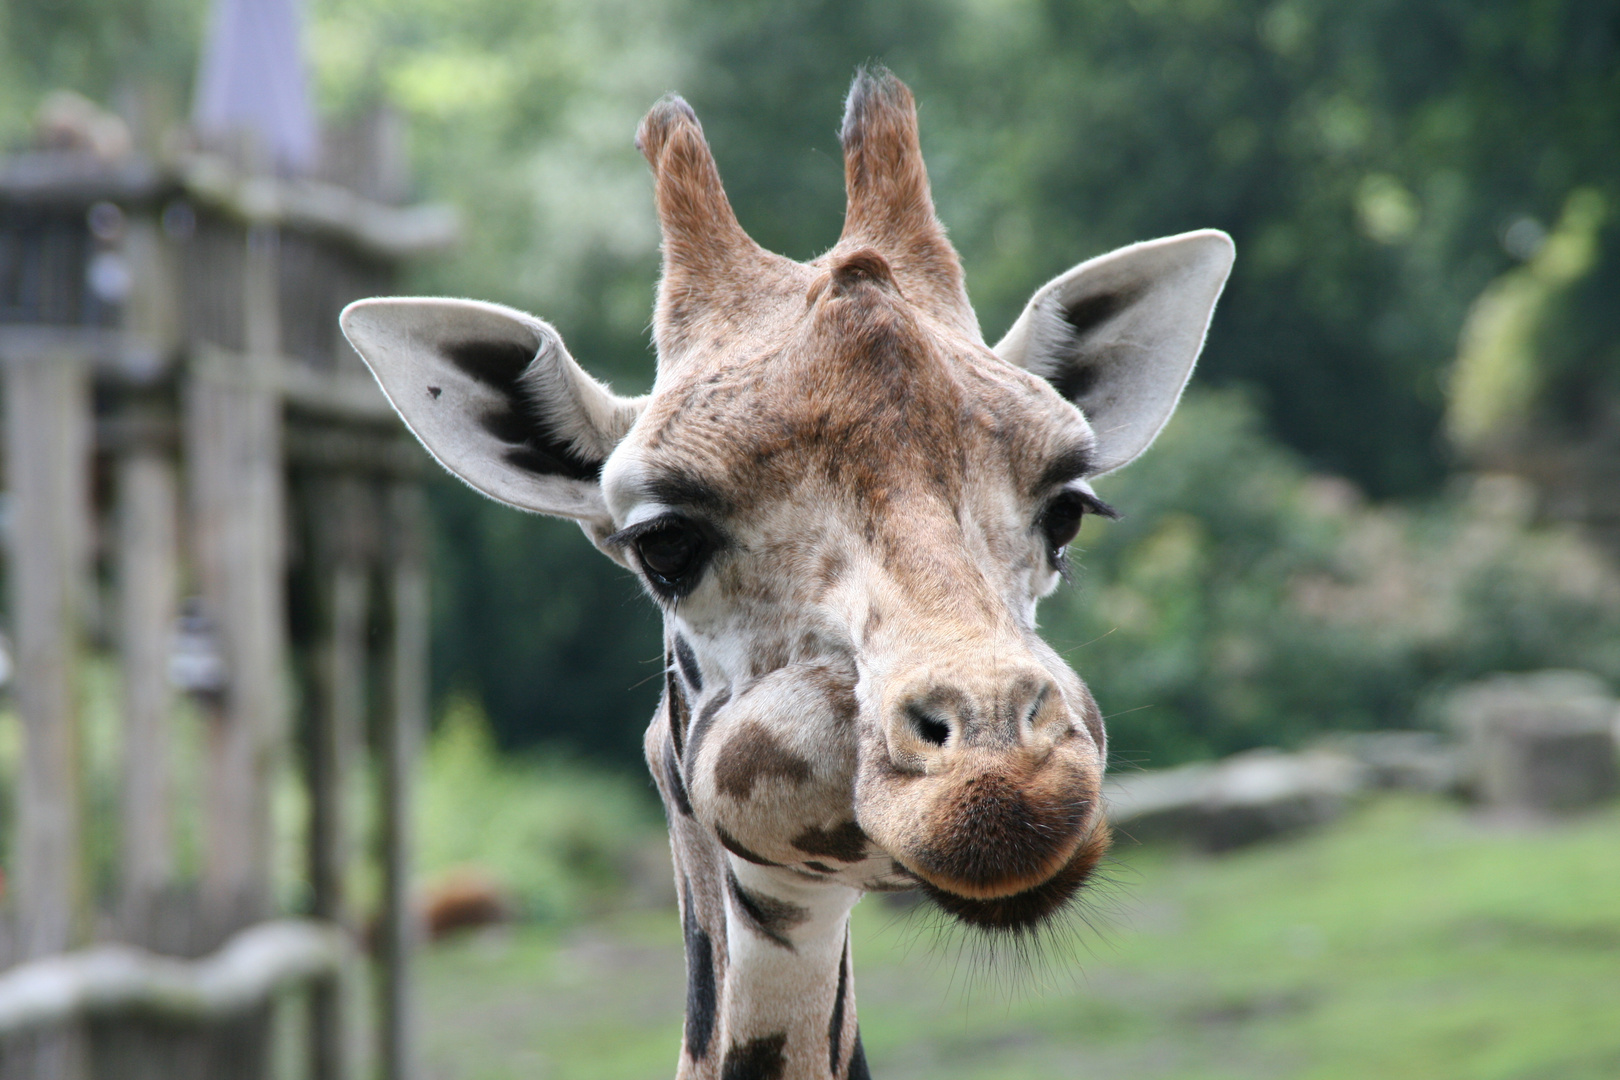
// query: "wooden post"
[[402, 728], [341, 538], [233, 436], [148, 580], [233, 457], [47, 461]]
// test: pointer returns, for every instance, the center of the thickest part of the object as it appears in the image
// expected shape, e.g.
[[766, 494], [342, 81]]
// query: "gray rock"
[[1244, 798], [1404, 760], [1542, 743]]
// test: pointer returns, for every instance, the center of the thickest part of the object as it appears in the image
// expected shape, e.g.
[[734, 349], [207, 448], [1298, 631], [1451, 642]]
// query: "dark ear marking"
[[763, 1058], [1073, 381], [700, 981], [844, 842], [532, 445], [1090, 312], [537, 460], [733, 845], [1076, 373], [505, 425], [496, 364], [767, 916]]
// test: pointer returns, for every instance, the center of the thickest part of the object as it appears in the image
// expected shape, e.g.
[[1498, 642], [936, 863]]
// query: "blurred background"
[[1376, 555]]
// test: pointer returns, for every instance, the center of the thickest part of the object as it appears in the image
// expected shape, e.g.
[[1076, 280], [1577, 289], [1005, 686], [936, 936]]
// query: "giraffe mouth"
[[1003, 842], [1032, 907]]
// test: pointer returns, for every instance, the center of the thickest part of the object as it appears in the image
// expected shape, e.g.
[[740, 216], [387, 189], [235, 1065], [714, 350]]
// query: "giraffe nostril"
[[930, 729], [1032, 715]]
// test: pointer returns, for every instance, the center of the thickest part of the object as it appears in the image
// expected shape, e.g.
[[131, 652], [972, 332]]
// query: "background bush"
[[1243, 601]]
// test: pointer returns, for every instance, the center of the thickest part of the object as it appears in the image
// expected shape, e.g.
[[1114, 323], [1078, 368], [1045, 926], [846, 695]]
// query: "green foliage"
[[522, 114], [558, 835], [137, 54], [556, 641], [1244, 602]]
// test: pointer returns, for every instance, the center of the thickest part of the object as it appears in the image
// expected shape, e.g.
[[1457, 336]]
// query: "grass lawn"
[[1412, 941]]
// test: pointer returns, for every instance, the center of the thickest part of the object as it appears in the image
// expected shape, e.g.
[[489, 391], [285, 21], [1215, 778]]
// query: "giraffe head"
[[847, 505]]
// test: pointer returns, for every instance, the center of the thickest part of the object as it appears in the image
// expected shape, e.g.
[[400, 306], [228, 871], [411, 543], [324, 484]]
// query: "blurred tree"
[[556, 641]]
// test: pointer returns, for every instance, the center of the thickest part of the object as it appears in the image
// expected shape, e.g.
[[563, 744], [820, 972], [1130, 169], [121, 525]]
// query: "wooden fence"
[[205, 490]]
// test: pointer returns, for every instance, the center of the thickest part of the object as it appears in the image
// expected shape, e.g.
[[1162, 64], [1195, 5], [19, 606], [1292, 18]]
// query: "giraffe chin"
[[1025, 911]]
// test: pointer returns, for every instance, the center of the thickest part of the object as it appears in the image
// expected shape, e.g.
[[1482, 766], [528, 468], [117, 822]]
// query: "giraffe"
[[846, 505]]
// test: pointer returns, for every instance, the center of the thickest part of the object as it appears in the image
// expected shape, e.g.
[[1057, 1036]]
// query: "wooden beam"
[[342, 540], [148, 582], [233, 446], [47, 464], [47, 442], [122, 980], [402, 730]]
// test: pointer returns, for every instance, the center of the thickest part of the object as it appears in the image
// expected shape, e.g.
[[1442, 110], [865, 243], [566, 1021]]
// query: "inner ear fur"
[[1118, 335], [496, 399]]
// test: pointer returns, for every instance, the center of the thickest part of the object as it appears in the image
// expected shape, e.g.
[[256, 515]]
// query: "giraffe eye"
[[671, 553], [1060, 522]]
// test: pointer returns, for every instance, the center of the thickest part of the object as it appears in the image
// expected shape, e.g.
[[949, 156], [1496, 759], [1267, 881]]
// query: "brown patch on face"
[[844, 842], [751, 755], [874, 622], [839, 692], [769, 917], [830, 571], [768, 657], [699, 729]]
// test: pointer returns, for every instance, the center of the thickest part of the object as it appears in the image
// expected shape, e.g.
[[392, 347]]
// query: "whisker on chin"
[[1034, 959]]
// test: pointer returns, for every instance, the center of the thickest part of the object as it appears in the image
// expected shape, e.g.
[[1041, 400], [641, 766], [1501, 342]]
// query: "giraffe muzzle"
[[1001, 833]]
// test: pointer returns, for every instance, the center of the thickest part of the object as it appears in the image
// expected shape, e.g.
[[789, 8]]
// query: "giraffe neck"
[[770, 993]]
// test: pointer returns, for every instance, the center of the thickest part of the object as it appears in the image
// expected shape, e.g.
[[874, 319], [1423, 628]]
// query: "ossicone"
[[890, 207], [707, 256]]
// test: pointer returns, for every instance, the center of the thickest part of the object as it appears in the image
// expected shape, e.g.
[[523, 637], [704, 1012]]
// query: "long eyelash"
[[629, 533], [1061, 560], [1096, 506]]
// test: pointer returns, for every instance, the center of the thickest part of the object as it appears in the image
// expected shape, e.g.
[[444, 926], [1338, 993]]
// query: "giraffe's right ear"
[[1118, 335], [495, 397]]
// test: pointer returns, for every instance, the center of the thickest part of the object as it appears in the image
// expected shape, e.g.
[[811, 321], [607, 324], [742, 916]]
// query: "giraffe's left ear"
[[1119, 335], [495, 397]]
